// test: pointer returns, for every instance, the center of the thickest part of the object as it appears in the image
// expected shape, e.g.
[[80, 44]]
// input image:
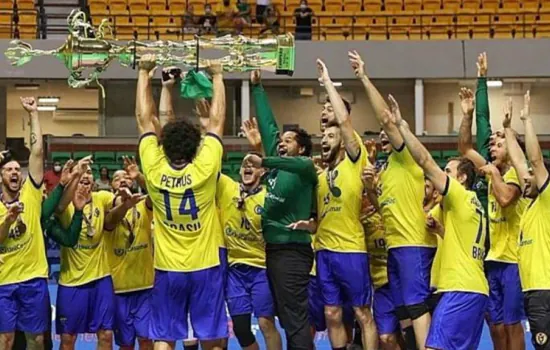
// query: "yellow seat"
[[371, 6], [177, 7], [471, 4], [25, 4], [430, 5], [352, 5], [27, 19], [118, 8], [333, 5], [98, 9], [6, 5], [491, 5], [533, 5], [413, 5], [6, 17], [138, 9], [393, 5], [452, 5]]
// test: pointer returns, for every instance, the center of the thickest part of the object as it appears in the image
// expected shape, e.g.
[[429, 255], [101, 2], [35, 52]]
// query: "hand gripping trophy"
[[82, 52]]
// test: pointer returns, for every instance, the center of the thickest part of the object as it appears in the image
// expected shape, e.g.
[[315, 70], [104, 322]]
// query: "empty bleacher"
[[18, 19]]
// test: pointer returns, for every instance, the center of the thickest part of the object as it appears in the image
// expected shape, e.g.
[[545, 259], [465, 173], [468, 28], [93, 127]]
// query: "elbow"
[[463, 147], [537, 162]]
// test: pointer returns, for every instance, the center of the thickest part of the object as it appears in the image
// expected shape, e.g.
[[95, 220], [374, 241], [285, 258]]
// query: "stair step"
[[61, 2], [59, 10]]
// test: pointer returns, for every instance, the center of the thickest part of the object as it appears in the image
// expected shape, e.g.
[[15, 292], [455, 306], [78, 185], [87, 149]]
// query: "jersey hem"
[[535, 289], [461, 291], [83, 283], [191, 270], [502, 261], [231, 264], [413, 246], [133, 290], [23, 280], [342, 251]]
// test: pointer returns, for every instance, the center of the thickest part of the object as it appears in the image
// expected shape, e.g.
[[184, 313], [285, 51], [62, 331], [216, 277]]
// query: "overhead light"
[[46, 108], [335, 84], [27, 86], [494, 83], [48, 99]]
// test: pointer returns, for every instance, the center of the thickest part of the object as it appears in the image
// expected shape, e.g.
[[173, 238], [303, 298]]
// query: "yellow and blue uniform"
[[505, 295], [247, 288], [340, 239], [24, 298], [383, 305], [85, 274], [534, 250], [411, 247], [130, 256], [186, 222], [461, 281]]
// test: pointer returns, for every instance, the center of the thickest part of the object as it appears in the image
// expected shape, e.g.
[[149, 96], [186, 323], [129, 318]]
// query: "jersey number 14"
[[187, 206]]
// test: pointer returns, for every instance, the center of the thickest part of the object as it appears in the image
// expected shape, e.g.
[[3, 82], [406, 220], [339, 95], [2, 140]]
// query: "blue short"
[[247, 291], [133, 312], [409, 270], [384, 311], [344, 277], [457, 322], [25, 306], [224, 263], [88, 308], [505, 294], [316, 307], [199, 294]]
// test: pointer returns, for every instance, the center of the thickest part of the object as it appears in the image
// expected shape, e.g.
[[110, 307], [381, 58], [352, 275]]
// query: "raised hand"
[[255, 77], [214, 67], [130, 199], [3, 155], [172, 78], [322, 72], [251, 131], [357, 64], [482, 64], [394, 111], [14, 210], [67, 174], [79, 200], [369, 177], [148, 63], [507, 121], [253, 160], [526, 110], [434, 226], [370, 145], [489, 169], [29, 104], [467, 101], [83, 165], [131, 167]]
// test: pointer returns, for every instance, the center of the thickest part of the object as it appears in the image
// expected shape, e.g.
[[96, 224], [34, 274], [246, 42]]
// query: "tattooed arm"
[[36, 158]]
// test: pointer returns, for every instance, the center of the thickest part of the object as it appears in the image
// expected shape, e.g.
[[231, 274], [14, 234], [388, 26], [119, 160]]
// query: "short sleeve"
[[224, 185], [106, 199], [404, 156], [544, 193], [150, 153], [362, 158], [511, 178], [31, 191], [454, 194], [209, 158]]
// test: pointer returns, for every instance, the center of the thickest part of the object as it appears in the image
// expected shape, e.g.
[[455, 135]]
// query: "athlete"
[[130, 257], [434, 224], [534, 227], [462, 281], [291, 181], [24, 298], [182, 181], [340, 244], [411, 248], [505, 209], [85, 298]]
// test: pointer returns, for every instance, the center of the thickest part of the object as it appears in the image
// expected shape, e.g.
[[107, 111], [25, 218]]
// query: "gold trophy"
[[86, 48]]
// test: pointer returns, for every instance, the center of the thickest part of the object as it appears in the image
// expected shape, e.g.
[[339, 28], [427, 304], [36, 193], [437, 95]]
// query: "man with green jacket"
[[291, 183]]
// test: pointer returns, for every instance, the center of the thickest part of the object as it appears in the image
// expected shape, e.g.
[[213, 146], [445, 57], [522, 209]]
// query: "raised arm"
[[465, 147], [369, 178], [116, 214], [166, 108], [146, 110], [376, 100], [217, 109], [36, 158], [298, 165], [353, 148], [420, 154], [70, 188], [534, 154], [50, 204], [519, 162], [250, 129], [483, 120], [269, 130], [131, 167]]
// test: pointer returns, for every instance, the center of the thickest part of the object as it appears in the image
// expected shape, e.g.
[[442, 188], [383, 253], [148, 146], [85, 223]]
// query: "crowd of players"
[[407, 255]]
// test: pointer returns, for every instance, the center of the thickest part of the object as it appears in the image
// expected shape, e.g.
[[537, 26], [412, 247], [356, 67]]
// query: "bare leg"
[[68, 341], [336, 329], [498, 336], [421, 327], [389, 342], [162, 345], [105, 339], [216, 344], [515, 336], [270, 333], [6, 340], [369, 334], [35, 341]]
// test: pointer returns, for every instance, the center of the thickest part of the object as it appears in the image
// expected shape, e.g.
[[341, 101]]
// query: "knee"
[[6, 340], [333, 314], [364, 316], [105, 337], [267, 325], [388, 339], [37, 339], [145, 344]]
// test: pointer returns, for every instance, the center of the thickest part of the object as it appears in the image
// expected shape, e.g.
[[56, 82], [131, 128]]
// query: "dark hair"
[[304, 140], [180, 141], [467, 167], [256, 154], [346, 103]]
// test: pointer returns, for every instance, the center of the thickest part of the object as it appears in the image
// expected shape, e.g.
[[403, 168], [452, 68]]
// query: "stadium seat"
[[371, 6], [491, 5], [413, 6], [25, 4], [531, 5], [139, 9], [352, 5], [104, 157], [453, 5], [6, 5], [177, 7], [120, 155], [333, 5], [78, 155], [61, 157], [446, 154], [393, 5], [431, 5], [98, 9], [235, 156], [471, 4], [112, 167], [226, 169]]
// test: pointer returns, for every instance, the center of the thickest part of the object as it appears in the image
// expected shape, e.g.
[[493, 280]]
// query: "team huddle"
[[393, 254]]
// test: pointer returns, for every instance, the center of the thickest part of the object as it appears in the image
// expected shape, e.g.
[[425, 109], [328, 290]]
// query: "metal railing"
[[356, 26]]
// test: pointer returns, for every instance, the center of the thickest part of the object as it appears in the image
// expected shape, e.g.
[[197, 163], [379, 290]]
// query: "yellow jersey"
[[534, 243], [23, 253], [87, 260], [462, 250], [400, 196], [437, 214], [187, 224], [242, 226], [314, 266], [504, 223], [378, 253], [130, 251], [339, 202]]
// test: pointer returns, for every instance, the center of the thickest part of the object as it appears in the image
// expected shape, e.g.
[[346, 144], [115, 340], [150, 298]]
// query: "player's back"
[[184, 208], [376, 246], [401, 193]]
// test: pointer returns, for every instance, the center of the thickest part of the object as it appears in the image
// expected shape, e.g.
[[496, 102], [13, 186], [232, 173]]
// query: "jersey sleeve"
[[511, 178], [455, 195], [544, 194], [363, 158], [150, 153], [222, 190], [209, 159], [30, 191], [404, 156]]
